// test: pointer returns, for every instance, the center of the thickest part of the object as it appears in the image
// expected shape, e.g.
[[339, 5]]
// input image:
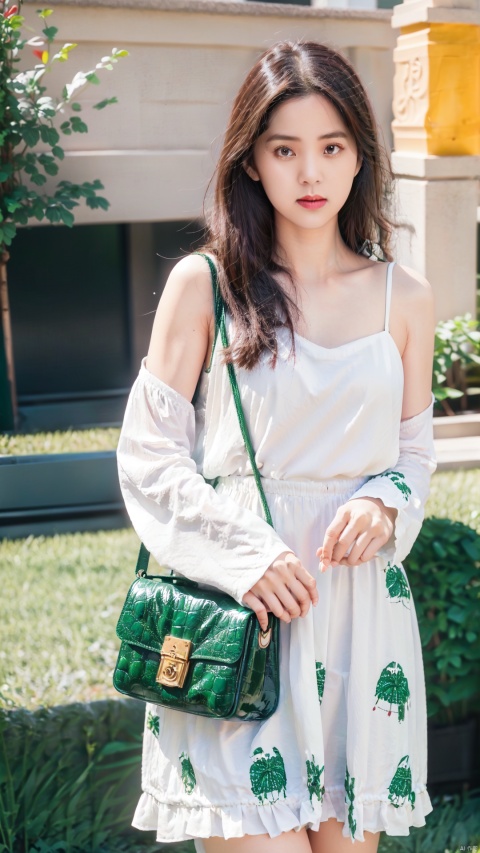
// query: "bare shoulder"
[[190, 277], [416, 305], [182, 325], [412, 288]]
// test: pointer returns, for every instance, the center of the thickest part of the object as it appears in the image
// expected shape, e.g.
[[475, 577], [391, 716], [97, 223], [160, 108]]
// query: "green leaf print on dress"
[[397, 585], [320, 669], [153, 723], [267, 775], [188, 774], [398, 480], [392, 689], [314, 778], [400, 788], [350, 800]]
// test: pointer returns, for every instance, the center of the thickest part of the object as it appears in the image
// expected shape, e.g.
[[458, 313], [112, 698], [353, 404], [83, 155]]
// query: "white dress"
[[349, 737]]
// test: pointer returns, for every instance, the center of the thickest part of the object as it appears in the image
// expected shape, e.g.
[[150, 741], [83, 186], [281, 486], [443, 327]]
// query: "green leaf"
[[48, 112], [50, 32], [65, 128], [98, 202], [9, 229], [38, 179], [102, 104], [51, 168], [31, 135], [53, 136], [92, 77], [38, 210], [52, 214], [76, 107], [44, 13], [16, 21], [49, 135], [456, 614], [122, 52], [58, 152], [21, 216], [67, 218], [439, 549], [472, 549], [62, 56], [78, 126], [12, 205]]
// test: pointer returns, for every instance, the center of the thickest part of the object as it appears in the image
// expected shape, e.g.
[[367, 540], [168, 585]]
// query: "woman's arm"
[[180, 518], [183, 323], [385, 515]]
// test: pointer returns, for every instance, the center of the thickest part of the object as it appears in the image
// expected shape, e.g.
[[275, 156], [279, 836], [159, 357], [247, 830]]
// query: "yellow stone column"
[[436, 157]]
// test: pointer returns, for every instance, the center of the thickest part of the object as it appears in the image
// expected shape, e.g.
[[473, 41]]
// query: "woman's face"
[[320, 161]]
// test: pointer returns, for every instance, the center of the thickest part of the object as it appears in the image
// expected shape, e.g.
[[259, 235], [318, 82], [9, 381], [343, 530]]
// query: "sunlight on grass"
[[61, 441], [61, 598], [62, 595]]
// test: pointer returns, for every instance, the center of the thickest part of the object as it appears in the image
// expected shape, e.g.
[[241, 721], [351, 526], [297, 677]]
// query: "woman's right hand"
[[286, 589]]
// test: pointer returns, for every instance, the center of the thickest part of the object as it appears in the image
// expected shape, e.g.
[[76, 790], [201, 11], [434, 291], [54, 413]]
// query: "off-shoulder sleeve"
[[178, 516], [407, 485]]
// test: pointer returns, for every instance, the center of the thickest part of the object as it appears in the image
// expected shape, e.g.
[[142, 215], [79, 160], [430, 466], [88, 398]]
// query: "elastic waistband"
[[334, 485]]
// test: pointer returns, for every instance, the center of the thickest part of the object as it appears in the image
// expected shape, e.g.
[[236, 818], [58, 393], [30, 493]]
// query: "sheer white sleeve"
[[406, 486], [179, 516]]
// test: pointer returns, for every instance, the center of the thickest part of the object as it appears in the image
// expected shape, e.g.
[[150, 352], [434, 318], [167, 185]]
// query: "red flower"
[[38, 53], [12, 11]]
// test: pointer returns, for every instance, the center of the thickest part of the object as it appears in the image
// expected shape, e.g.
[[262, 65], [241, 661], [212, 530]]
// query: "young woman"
[[333, 355]]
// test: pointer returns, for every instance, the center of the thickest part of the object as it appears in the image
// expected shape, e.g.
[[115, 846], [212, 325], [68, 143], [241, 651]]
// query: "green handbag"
[[192, 649]]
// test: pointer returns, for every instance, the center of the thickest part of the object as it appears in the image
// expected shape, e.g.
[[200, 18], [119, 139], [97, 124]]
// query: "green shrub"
[[70, 775], [452, 827], [444, 572], [456, 351]]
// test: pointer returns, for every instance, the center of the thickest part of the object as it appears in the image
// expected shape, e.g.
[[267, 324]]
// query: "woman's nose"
[[311, 170]]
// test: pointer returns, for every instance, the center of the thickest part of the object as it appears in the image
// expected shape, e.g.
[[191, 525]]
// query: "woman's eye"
[[282, 148], [333, 145]]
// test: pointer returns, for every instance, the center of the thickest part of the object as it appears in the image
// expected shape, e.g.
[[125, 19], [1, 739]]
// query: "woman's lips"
[[311, 205]]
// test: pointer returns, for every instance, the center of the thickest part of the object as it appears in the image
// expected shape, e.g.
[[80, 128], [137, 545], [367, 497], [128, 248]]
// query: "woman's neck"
[[314, 255]]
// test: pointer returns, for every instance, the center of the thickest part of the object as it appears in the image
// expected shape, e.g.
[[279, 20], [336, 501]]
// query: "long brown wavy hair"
[[240, 225]]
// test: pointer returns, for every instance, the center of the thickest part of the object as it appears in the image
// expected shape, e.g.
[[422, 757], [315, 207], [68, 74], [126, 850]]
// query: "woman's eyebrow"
[[296, 139]]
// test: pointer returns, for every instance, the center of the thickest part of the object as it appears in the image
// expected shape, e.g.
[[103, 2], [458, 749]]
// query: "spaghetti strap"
[[389, 295]]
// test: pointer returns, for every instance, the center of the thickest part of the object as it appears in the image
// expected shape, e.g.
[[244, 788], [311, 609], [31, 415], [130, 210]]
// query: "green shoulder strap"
[[144, 554]]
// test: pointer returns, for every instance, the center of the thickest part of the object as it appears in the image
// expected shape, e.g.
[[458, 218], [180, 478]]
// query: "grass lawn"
[[61, 441], [61, 597]]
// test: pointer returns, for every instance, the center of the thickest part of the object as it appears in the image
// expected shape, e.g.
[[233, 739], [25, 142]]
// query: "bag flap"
[[215, 623]]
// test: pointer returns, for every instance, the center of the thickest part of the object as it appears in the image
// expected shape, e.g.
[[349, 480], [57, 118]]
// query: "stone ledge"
[[456, 426], [432, 167], [411, 13], [455, 453], [227, 7]]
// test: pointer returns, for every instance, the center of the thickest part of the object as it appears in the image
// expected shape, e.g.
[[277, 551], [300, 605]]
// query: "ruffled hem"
[[174, 822]]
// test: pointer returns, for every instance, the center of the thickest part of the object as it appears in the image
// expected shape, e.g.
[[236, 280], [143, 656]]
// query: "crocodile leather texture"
[[229, 674]]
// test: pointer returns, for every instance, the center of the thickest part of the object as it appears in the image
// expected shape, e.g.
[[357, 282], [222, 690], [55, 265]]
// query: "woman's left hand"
[[364, 524]]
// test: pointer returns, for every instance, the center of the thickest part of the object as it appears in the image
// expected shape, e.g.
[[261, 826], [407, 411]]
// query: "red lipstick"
[[311, 202]]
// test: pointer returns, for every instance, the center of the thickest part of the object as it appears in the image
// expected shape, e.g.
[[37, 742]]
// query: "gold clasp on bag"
[[264, 638], [173, 661]]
